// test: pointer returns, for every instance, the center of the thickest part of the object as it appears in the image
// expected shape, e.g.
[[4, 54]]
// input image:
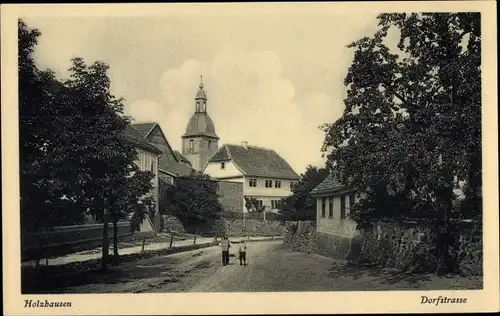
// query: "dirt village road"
[[271, 268]]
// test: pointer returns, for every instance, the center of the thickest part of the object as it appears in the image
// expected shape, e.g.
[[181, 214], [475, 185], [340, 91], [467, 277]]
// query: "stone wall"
[[412, 246], [300, 236], [229, 227], [172, 223], [230, 195], [405, 246]]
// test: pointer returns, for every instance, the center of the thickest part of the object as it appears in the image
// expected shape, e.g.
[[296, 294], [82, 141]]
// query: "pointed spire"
[[201, 82], [201, 93]]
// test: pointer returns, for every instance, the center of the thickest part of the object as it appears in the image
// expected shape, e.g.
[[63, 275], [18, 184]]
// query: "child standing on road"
[[243, 252], [224, 244]]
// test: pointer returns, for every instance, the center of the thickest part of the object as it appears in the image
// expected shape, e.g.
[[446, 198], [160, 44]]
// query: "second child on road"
[[243, 252]]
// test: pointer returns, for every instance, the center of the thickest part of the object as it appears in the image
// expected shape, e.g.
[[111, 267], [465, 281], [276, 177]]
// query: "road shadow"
[[382, 275], [55, 279]]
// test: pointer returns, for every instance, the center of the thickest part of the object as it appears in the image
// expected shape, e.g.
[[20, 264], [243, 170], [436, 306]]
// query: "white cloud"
[[248, 99]]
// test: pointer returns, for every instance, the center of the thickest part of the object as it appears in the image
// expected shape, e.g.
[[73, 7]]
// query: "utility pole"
[[244, 223]]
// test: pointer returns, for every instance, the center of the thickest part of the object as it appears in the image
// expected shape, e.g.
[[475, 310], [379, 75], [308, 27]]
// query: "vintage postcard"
[[250, 158]]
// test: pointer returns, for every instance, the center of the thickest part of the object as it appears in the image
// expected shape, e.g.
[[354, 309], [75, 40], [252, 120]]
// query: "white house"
[[333, 204], [265, 175]]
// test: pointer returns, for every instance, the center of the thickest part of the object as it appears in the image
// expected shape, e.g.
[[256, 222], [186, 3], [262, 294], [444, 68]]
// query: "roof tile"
[[256, 161], [331, 184]]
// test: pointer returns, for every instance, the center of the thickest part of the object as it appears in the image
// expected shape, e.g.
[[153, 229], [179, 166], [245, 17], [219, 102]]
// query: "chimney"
[[244, 144]]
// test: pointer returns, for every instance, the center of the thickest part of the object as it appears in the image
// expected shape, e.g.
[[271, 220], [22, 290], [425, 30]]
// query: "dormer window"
[[222, 165]]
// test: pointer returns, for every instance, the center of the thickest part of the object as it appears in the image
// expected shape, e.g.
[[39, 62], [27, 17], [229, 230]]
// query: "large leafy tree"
[[411, 129], [193, 199], [300, 205], [74, 156]]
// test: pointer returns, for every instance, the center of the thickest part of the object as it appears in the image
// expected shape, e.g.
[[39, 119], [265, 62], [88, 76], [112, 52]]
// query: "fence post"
[[171, 239]]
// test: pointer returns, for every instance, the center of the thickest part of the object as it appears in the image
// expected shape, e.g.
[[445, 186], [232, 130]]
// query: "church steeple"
[[201, 98], [200, 142]]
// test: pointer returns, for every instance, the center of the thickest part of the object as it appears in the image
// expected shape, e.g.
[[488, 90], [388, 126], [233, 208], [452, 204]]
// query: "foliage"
[[300, 205], [253, 205], [74, 158], [193, 198], [411, 129]]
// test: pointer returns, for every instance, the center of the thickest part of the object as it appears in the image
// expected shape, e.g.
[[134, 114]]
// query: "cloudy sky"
[[271, 78]]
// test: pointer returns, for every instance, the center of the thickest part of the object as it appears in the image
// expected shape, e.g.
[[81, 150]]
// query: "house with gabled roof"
[[147, 160], [264, 174], [334, 202], [171, 163]]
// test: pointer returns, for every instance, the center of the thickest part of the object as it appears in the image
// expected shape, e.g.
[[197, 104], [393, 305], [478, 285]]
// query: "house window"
[[323, 207], [277, 184], [170, 180], [260, 203], [330, 207], [252, 183], [269, 183], [222, 165], [342, 206], [351, 203], [291, 185], [152, 166], [275, 204]]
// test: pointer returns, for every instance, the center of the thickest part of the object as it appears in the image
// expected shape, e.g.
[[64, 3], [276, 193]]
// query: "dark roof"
[[174, 168], [330, 185], [144, 128], [170, 166], [180, 157], [133, 136], [200, 124], [256, 161]]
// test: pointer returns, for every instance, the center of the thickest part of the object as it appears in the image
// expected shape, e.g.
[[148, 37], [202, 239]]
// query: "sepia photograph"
[[250, 148]]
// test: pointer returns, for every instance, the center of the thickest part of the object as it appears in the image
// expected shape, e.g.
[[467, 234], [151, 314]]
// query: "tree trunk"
[[105, 240], [196, 233], [116, 258], [445, 264]]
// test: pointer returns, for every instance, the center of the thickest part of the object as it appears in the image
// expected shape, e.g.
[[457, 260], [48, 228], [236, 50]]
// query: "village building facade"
[[262, 173], [333, 208]]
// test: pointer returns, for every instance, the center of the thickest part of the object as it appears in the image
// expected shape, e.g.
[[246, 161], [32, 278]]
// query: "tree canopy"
[[300, 205], [73, 157], [193, 198], [411, 129]]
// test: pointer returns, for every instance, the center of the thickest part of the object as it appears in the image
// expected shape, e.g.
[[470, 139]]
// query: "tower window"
[[191, 144], [222, 165], [209, 144]]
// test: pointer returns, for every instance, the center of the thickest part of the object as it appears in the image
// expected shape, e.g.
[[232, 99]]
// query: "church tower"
[[200, 142]]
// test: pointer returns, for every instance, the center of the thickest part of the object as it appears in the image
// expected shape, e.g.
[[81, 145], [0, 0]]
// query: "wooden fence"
[[63, 240]]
